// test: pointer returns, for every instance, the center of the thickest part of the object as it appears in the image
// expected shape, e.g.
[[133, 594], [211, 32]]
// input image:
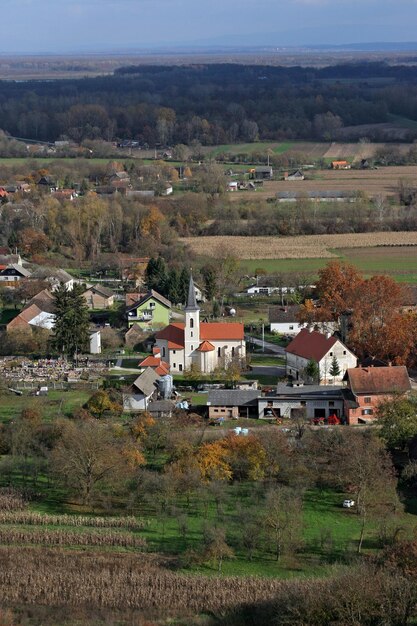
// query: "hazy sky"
[[89, 25]]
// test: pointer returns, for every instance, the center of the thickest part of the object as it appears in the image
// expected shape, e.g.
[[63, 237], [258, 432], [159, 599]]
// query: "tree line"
[[210, 104]]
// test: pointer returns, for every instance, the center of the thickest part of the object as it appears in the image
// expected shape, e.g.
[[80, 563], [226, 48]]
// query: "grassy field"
[[55, 404], [399, 262]]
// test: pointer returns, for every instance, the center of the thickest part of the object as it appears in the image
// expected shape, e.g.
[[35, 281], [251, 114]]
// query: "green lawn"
[[266, 359], [55, 404]]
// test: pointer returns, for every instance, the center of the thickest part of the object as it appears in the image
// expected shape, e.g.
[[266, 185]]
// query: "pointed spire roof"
[[191, 301]]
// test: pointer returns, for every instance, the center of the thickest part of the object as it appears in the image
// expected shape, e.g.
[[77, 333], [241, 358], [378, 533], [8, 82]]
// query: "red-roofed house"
[[205, 345], [368, 386], [310, 345]]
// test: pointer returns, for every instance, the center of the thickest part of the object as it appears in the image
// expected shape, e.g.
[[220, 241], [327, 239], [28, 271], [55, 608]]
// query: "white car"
[[348, 504]]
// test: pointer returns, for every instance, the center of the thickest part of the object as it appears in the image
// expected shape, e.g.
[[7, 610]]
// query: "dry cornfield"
[[63, 578], [300, 247], [31, 518], [46, 537]]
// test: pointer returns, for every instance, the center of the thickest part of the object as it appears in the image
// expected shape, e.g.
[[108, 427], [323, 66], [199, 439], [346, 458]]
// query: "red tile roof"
[[163, 369], [311, 344], [206, 346], [221, 330], [379, 380], [214, 331], [174, 334], [150, 361]]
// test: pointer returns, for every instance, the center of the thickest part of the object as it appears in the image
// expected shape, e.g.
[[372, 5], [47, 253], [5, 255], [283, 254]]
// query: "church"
[[206, 345]]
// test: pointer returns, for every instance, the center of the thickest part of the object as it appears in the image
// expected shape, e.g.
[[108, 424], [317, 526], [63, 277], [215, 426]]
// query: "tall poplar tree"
[[71, 332]]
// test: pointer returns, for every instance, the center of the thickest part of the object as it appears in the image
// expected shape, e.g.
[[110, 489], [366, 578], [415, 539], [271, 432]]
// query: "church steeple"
[[192, 326], [191, 301]]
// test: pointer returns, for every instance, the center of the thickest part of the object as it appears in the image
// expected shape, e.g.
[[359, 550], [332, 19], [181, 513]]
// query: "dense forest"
[[211, 104]]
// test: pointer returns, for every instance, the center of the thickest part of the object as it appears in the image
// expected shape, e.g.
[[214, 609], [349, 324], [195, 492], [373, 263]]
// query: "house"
[[232, 403], [32, 315], [204, 345], [95, 342], [283, 320], [369, 386], [310, 345], [55, 277], [47, 183], [156, 363], [133, 336], [141, 391], [232, 186], [10, 276], [340, 165], [297, 175], [262, 173], [98, 297], [261, 290], [150, 312], [313, 402], [161, 408], [65, 194]]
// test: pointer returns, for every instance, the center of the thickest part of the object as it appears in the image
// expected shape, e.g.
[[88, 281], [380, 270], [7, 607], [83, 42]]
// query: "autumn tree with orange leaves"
[[233, 457], [377, 326]]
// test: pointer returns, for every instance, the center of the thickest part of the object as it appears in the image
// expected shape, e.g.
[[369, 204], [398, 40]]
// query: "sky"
[[62, 26]]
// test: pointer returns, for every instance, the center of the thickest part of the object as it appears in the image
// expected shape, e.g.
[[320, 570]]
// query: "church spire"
[[191, 301]]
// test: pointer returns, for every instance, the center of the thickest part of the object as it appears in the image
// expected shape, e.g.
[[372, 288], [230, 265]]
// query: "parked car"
[[348, 504]]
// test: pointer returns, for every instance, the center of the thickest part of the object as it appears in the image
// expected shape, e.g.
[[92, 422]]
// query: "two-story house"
[[310, 345], [369, 386], [151, 312]]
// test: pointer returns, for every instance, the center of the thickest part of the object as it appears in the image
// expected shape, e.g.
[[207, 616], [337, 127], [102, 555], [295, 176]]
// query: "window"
[[233, 351], [331, 353], [303, 403], [163, 351], [173, 352], [331, 403], [219, 352], [191, 333], [291, 327], [367, 399], [174, 365], [151, 305], [192, 347], [344, 351], [367, 412], [180, 367], [191, 323]]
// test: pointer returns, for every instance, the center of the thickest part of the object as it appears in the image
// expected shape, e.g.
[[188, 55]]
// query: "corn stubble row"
[[31, 518], [57, 577], [46, 537]]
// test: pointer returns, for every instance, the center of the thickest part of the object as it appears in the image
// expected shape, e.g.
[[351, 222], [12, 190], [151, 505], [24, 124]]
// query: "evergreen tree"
[[210, 283], [173, 286], [312, 370], [156, 275], [334, 368], [184, 280], [71, 332]]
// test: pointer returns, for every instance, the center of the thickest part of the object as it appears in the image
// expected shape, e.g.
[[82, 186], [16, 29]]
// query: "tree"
[[397, 418], [101, 403], [217, 549], [209, 273], [365, 467], [71, 332], [337, 286], [312, 370], [283, 519], [90, 454], [334, 368]]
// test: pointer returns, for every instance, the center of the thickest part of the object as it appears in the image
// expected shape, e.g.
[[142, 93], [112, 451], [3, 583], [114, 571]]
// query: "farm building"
[[340, 165], [291, 401], [310, 345], [297, 175], [317, 196], [232, 403]]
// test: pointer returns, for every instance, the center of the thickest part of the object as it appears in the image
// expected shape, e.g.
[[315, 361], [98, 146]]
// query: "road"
[[271, 347]]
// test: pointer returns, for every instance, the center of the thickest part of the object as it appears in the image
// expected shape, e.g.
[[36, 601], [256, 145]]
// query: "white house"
[[95, 342], [310, 345], [261, 290], [283, 321], [206, 345], [55, 277]]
